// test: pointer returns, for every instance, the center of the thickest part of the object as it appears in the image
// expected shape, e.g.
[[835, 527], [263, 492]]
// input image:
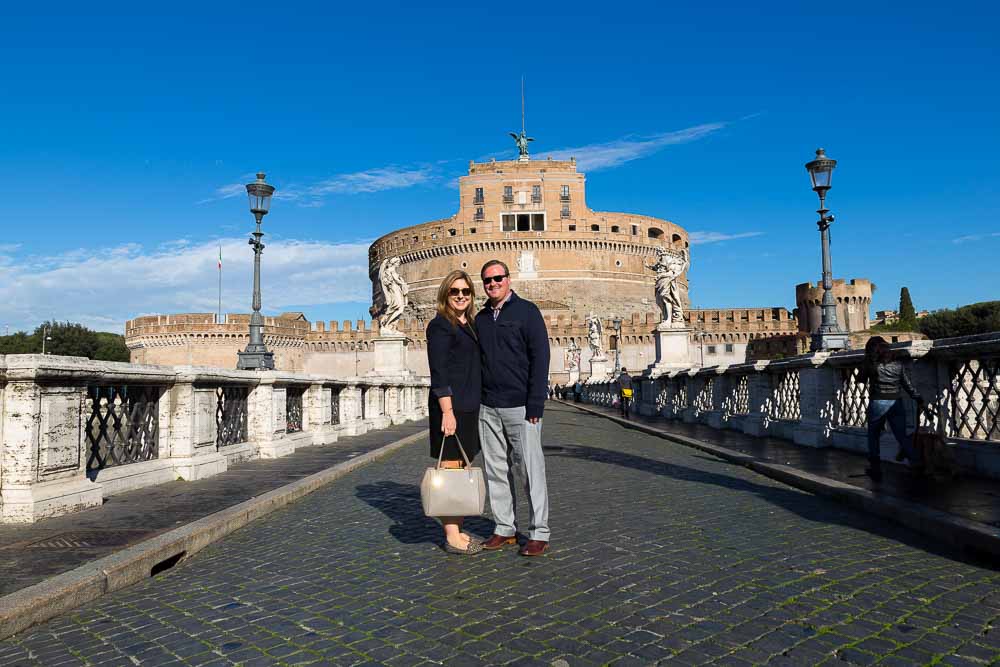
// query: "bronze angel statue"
[[522, 142]]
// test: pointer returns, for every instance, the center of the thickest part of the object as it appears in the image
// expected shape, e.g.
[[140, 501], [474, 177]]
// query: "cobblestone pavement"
[[658, 553]]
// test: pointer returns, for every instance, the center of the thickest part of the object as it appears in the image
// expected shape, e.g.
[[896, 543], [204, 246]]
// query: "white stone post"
[[43, 451], [818, 387], [192, 432], [267, 421], [316, 414]]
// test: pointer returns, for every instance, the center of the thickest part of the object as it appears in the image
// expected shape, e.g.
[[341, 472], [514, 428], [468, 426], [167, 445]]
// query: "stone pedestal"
[[390, 356], [599, 369], [671, 349]]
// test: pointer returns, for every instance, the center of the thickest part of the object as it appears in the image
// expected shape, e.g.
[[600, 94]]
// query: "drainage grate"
[[89, 540]]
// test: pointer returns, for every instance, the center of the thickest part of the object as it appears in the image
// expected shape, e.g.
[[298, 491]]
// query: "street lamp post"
[[830, 336], [45, 337], [256, 357], [616, 324]]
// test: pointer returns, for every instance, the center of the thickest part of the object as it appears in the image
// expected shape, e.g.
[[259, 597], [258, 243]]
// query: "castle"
[[567, 258]]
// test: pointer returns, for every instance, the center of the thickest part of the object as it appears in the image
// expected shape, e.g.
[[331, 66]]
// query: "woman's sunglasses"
[[455, 291]]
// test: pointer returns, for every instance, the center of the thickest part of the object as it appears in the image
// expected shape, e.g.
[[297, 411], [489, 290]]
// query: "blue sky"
[[125, 130]]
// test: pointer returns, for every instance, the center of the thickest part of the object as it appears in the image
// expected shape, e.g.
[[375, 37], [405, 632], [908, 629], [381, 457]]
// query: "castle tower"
[[854, 300]]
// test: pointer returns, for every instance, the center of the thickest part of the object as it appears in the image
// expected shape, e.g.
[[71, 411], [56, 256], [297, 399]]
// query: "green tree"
[[976, 318], [907, 313], [67, 338]]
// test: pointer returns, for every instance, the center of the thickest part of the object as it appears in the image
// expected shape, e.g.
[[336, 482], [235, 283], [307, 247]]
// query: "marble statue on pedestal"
[[394, 295], [669, 292], [595, 336]]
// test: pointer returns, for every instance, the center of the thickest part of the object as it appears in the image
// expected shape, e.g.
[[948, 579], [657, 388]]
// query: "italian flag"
[[220, 257]]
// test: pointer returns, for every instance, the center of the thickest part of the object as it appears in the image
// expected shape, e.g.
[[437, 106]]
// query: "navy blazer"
[[456, 368]]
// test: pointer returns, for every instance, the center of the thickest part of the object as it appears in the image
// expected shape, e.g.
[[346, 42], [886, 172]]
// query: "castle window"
[[655, 233], [571, 228], [472, 230], [523, 222], [434, 236], [479, 213], [635, 230], [452, 232], [729, 347], [416, 238], [564, 193], [479, 196], [618, 263], [615, 229], [711, 349], [595, 228], [508, 194], [564, 213], [536, 194]]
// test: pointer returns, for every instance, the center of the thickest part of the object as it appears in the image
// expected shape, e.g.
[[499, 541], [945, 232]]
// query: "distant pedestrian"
[[515, 348], [625, 392], [577, 391], [456, 386], [886, 377]]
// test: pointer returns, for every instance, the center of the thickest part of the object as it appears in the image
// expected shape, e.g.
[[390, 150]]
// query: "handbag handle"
[[468, 463]]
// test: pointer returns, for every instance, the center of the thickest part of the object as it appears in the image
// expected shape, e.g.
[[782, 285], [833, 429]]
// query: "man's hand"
[[533, 420]]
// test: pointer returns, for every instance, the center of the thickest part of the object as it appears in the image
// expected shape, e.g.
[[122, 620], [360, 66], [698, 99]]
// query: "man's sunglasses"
[[455, 291], [494, 279]]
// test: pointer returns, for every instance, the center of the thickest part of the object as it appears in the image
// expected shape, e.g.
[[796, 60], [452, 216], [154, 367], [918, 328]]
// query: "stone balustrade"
[[818, 400], [73, 431]]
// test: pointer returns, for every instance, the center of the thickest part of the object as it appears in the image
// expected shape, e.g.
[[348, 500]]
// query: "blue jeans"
[[892, 411]]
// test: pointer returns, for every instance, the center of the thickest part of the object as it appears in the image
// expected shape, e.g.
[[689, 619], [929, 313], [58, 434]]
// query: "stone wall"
[[853, 300]]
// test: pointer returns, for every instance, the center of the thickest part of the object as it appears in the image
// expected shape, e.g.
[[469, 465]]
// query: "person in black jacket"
[[887, 378], [456, 384], [515, 348]]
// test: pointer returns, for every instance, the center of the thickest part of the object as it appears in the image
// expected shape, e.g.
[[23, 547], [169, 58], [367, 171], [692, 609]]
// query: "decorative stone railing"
[[73, 431], [819, 400]]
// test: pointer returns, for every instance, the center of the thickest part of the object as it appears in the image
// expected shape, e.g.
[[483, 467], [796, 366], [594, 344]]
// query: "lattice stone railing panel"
[[293, 409], [737, 400], [231, 415], [851, 400], [334, 405], [783, 404], [662, 394], [705, 399], [679, 401], [122, 425], [972, 399]]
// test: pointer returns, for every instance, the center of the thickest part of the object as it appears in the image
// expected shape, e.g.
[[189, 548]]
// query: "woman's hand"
[[448, 423]]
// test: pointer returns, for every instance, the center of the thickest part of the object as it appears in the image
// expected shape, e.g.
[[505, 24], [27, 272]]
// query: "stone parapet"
[[820, 400], [74, 431]]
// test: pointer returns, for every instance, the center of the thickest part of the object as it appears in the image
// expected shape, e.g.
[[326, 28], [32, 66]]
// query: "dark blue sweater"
[[515, 356]]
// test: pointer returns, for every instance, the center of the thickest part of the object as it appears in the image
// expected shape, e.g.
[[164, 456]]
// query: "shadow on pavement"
[[786, 498], [401, 503]]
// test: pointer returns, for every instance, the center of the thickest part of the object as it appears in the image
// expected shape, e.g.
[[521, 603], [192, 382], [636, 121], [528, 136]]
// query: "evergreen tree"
[[66, 338], [907, 314], [976, 318]]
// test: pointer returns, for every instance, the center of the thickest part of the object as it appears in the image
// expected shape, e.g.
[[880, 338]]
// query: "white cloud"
[[975, 237], [699, 238], [594, 157], [227, 191], [102, 287]]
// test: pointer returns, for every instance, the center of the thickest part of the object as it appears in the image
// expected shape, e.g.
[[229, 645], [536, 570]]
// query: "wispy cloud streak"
[[701, 238], [594, 157], [976, 237]]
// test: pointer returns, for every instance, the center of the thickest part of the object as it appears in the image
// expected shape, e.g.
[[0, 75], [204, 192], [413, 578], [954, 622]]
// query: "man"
[[515, 349], [625, 391]]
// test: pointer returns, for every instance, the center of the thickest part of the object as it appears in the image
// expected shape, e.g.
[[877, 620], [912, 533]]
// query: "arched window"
[[654, 233]]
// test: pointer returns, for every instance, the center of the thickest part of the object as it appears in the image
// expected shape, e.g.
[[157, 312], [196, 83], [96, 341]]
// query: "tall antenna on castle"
[[522, 104]]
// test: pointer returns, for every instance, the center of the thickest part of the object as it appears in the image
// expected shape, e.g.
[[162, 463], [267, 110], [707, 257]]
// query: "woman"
[[456, 382], [886, 376]]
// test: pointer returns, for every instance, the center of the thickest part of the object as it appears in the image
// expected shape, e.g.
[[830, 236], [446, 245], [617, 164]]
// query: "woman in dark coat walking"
[[456, 384]]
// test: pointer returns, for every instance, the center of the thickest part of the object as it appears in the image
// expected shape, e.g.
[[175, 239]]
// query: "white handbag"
[[453, 491]]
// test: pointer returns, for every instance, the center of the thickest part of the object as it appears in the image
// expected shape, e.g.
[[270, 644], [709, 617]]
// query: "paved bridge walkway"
[[659, 552]]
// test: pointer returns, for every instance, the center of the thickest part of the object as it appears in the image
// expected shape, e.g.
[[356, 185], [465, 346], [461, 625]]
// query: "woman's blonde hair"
[[443, 309]]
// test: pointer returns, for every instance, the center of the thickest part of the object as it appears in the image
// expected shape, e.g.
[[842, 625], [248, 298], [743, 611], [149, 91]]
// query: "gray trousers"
[[508, 439]]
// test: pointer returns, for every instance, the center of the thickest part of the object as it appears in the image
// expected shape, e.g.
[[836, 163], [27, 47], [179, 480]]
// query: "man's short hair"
[[493, 262], [624, 370]]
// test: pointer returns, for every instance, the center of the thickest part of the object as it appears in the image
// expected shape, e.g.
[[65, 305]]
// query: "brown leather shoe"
[[534, 548], [498, 542]]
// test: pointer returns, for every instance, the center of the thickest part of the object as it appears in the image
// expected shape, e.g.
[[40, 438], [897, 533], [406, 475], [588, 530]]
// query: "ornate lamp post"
[[256, 357], [830, 336], [616, 324]]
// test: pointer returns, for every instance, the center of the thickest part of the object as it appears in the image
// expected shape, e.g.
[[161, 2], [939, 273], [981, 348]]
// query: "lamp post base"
[[255, 361], [830, 341]]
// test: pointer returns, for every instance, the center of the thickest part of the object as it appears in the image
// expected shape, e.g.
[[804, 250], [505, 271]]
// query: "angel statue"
[[522, 142], [594, 336], [394, 291], [669, 291]]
